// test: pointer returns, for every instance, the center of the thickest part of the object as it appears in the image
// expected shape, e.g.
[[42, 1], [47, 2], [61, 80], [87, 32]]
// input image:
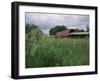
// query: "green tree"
[[79, 30], [29, 27], [56, 29]]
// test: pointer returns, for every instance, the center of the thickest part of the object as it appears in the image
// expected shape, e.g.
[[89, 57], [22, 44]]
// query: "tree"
[[29, 27], [79, 30], [56, 29], [87, 28]]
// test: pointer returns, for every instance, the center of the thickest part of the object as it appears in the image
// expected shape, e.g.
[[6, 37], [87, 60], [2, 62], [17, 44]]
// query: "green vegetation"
[[59, 28], [29, 27], [48, 51], [56, 29]]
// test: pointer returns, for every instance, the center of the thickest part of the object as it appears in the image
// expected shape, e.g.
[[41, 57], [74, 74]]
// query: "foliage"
[[31, 39], [79, 30], [47, 51], [56, 29], [29, 27], [76, 30], [32, 36]]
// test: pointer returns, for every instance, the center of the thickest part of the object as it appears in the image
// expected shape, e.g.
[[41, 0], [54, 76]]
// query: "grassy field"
[[44, 51]]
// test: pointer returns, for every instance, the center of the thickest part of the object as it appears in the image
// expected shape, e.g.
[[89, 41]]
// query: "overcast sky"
[[47, 21]]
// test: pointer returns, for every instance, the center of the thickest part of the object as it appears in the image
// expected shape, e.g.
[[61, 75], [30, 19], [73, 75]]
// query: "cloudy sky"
[[47, 21]]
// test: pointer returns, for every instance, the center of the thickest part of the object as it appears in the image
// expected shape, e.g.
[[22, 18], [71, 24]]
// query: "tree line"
[[54, 30]]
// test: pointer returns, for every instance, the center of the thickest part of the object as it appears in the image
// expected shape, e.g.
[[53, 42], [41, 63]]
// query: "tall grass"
[[43, 51]]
